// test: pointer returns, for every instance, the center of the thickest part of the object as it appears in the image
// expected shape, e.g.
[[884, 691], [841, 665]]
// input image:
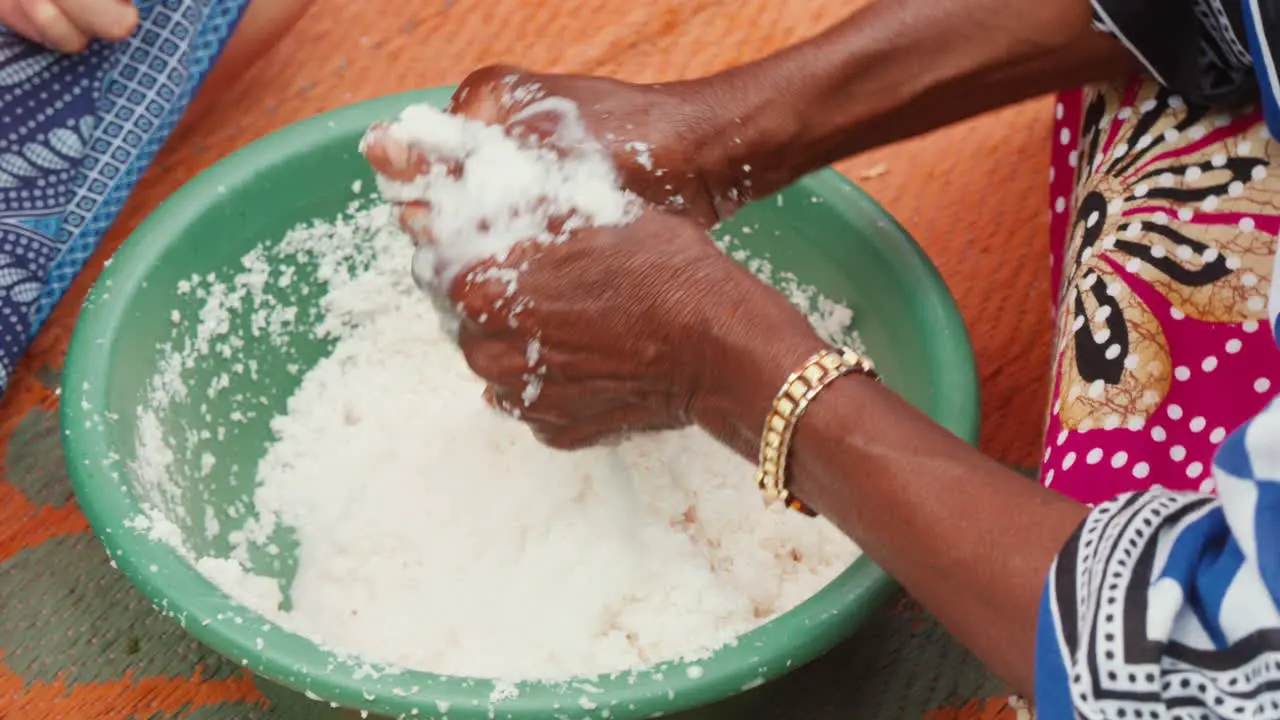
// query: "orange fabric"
[[993, 709]]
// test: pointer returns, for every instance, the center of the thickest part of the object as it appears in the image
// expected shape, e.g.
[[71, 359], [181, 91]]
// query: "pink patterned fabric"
[[1163, 227]]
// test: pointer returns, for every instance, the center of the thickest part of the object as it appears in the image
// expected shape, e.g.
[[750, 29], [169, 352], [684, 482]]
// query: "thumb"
[[551, 122], [44, 22], [490, 93]]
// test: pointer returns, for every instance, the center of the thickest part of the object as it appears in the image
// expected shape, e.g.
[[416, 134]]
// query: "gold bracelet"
[[801, 387]]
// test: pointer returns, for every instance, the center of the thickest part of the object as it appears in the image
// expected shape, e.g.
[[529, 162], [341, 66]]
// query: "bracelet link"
[[801, 387]]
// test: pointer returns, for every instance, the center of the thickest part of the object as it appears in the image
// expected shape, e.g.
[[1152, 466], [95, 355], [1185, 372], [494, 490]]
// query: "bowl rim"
[[175, 587]]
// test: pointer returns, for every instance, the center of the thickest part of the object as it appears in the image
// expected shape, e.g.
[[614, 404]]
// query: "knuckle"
[[481, 296], [494, 74], [415, 220], [477, 94], [475, 304], [497, 362], [557, 438], [481, 362]]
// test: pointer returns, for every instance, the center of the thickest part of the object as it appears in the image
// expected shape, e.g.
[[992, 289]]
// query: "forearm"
[[894, 69], [970, 539]]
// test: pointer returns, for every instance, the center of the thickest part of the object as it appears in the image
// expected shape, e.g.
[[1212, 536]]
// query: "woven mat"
[[77, 642]]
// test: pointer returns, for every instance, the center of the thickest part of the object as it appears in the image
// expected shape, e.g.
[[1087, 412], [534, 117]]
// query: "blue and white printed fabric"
[[1210, 52], [1167, 605], [76, 133]]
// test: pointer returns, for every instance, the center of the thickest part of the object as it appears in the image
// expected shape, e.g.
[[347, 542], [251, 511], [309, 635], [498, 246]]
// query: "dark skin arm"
[[972, 540], [890, 71], [649, 326], [937, 515]]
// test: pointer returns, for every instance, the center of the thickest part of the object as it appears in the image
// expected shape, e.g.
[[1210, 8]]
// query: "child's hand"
[[69, 25]]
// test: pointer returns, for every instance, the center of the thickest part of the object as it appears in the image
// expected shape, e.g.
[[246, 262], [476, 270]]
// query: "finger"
[[112, 20], [570, 376], [574, 400], [503, 402], [483, 293], [511, 400], [391, 157], [604, 390], [487, 94], [702, 211], [556, 223], [486, 325], [537, 129], [415, 220], [14, 17], [519, 403], [563, 403], [552, 123], [53, 26], [491, 399], [499, 358], [486, 292], [727, 205], [602, 428]]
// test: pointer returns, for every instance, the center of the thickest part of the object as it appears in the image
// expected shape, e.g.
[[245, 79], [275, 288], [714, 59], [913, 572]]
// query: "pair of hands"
[[69, 25], [638, 326]]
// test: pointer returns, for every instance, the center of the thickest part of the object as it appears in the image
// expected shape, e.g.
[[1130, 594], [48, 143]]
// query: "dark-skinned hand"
[[653, 132]]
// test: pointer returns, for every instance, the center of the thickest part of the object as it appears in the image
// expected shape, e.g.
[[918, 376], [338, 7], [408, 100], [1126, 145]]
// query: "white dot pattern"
[[1151, 421], [78, 133]]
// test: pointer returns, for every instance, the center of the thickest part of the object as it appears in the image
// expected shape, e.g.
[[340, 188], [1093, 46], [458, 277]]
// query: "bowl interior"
[[823, 231]]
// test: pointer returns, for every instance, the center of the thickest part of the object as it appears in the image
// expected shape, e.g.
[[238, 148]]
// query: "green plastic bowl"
[[823, 230]]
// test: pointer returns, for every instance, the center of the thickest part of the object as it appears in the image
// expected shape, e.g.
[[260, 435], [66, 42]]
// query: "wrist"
[[751, 134], [745, 361]]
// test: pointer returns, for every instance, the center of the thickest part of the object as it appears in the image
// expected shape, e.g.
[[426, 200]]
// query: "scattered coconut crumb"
[[491, 191], [393, 479], [874, 171]]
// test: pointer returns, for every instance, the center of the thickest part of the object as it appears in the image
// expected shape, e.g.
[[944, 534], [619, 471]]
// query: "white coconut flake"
[[659, 548], [490, 191], [503, 691], [431, 532]]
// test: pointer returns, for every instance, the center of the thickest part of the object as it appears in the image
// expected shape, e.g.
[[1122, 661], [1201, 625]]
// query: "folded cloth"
[[76, 133]]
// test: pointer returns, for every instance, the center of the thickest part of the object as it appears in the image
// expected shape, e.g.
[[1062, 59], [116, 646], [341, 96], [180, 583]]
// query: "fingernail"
[[537, 129], [396, 152], [416, 220], [57, 30], [372, 136], [127, 21]]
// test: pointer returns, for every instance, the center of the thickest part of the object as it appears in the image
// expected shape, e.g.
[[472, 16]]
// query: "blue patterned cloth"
[[76, 133], [1167, 605]]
